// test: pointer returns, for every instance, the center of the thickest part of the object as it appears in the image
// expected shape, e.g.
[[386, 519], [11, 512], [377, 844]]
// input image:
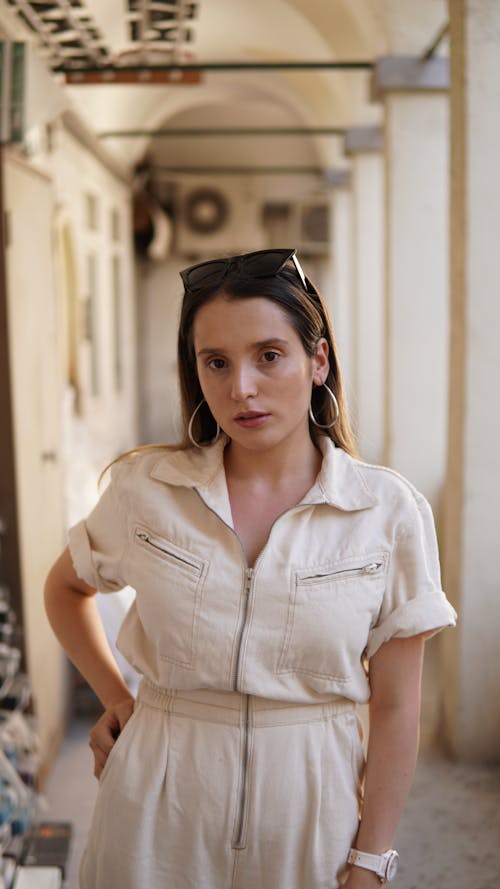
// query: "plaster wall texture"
[[473, 499], [37, 427], [416, 149], [342, 314], [159, 301], [368, 296], [60, 450], [109, 409]]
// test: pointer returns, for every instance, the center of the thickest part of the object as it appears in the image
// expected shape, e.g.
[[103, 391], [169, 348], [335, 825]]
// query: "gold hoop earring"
[[336, 411], [191, 437]]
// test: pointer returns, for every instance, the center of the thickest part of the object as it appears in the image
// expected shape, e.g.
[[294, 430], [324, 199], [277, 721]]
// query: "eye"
[[216, 363], [269, 357]]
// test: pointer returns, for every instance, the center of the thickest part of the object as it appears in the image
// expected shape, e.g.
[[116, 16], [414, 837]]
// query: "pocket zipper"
[[157, 544], [370, 568]]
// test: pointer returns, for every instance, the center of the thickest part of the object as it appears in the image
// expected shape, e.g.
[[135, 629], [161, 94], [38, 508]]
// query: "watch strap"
[[385, 866], [368, 860]]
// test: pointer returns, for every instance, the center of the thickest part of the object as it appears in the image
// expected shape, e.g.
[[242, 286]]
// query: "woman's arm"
[[74, 617], [395, 680]]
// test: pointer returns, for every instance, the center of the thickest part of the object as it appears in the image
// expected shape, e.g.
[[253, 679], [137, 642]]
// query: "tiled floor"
[[449, 837]]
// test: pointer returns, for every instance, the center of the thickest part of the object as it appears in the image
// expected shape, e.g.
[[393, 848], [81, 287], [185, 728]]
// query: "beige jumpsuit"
[[241, 765]]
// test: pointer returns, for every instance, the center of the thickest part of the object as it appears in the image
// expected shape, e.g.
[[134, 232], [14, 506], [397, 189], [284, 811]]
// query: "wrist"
[[383, 866], [360, 878], [117, 698]]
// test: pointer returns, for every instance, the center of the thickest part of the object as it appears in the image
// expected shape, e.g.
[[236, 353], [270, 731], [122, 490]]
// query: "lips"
[[251, 419], [250, 415]]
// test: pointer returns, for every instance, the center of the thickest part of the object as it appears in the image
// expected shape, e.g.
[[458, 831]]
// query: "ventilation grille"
[[305, 225], [314, 224]]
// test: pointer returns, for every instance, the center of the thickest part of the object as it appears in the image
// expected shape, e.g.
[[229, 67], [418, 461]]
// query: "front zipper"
[[249, 572], [344, 573], [239, 840], [160, 545]]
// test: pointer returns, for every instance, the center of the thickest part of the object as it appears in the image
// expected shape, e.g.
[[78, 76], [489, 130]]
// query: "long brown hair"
[[308, 315]]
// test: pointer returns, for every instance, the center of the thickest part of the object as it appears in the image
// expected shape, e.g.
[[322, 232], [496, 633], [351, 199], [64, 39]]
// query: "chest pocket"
[[331, 609], [169, 592]]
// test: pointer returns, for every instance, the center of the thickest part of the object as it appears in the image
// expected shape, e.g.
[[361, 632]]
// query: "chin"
[[260, 439], [250, 438]]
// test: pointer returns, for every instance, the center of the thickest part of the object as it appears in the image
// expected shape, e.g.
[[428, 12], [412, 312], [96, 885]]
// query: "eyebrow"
[[261, 344]]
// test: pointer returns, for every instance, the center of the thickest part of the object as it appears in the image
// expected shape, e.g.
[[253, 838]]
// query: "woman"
[[280, 582]]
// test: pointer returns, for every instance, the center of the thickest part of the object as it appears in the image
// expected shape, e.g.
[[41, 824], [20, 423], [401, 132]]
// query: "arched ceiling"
[[249, 31]]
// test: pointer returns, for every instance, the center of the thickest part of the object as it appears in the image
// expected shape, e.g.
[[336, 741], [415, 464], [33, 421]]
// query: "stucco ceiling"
[[229, 30]]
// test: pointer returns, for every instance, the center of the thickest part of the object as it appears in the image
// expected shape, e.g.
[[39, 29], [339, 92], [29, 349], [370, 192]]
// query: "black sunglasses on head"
[[259, 264]]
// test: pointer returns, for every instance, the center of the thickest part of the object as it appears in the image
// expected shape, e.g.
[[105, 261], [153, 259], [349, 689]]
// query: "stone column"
[[363, 145], [472, 504], [340, 305], [417, 281]]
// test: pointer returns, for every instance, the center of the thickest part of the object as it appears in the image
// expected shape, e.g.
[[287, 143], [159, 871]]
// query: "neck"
[[288, 460]]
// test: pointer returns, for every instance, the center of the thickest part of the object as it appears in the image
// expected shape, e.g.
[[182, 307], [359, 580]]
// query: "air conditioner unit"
[[213, 218], [313, 227], [305, 225]]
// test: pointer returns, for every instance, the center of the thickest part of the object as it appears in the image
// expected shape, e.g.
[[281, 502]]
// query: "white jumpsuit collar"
[[339, 482]]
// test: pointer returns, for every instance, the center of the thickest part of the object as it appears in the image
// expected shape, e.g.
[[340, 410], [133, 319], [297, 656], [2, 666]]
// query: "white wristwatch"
[[385, 866]]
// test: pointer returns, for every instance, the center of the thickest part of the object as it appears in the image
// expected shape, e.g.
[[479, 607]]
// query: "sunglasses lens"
[[205, 274], [260, 264], [264, 264]]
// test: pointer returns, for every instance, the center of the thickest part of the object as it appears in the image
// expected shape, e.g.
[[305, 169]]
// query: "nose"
[[243, 383]]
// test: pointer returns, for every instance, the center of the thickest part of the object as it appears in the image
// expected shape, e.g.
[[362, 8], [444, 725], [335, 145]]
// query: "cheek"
[[292, 391], [298, 376]]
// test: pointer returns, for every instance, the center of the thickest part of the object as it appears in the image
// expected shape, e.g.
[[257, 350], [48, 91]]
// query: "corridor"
[[140, 138]]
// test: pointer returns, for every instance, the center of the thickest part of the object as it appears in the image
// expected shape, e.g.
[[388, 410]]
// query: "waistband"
[[233, 707]]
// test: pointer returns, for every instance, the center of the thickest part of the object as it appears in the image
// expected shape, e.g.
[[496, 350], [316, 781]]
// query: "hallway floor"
[[449, 837]]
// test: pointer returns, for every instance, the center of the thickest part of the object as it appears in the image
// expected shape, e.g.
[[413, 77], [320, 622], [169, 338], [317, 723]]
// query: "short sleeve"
[[413, 601], [97, 544]]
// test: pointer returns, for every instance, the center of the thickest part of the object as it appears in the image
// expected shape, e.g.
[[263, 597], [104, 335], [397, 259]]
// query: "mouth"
[[251, 418], [249, 415]]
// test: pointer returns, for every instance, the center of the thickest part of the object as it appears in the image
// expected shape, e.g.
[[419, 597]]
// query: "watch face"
[[392, 866]]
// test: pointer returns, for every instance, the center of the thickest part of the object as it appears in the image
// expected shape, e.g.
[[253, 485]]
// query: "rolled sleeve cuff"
[[429, 613], [83, 560]]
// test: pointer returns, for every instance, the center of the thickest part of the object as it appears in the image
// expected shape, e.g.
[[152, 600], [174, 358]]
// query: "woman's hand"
[[105, 732]]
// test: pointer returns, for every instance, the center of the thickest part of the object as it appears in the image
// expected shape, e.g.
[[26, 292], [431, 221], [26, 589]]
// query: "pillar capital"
[[363, 139], [409, 74]]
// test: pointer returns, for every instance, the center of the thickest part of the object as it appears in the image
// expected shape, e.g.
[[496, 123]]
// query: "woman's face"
[[254, 371]]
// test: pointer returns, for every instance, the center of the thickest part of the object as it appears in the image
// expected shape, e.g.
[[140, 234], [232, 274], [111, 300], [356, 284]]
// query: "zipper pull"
[[248, 582], [372, 568]]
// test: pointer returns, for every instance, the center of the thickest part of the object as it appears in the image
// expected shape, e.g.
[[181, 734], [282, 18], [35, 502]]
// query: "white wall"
[[36, 395], [68, 422], [108, 412], [417, 183], [159, 299], [100, 409]]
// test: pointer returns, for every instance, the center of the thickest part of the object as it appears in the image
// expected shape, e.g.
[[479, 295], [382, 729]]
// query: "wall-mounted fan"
[[205, 210]]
